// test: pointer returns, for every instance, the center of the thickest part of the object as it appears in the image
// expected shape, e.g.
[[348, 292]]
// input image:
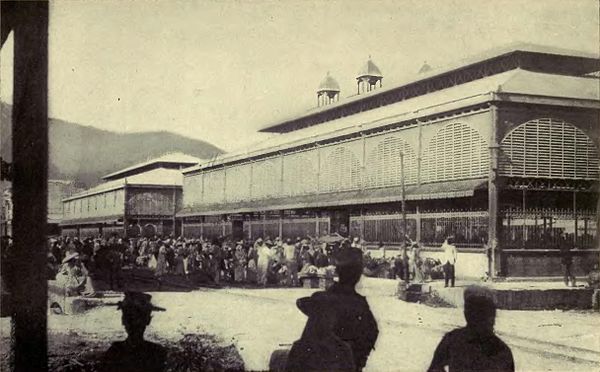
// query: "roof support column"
[[281, 224], [494, 220]]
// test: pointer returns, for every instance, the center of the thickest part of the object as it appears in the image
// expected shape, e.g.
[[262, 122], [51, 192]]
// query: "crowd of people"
[[263, 262]]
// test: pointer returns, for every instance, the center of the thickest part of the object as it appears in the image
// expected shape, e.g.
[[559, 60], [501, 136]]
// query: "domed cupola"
[[368, 77], [328, 92]]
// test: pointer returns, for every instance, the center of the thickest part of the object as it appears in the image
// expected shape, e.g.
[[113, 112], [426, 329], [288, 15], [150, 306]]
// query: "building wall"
[[451, 149], [108, 203]]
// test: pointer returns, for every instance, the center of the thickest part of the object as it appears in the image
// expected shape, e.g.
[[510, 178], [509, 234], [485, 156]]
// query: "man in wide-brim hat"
[[135, 353], [354, 323]]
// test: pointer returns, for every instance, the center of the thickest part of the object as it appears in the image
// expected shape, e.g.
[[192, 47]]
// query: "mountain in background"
[[85, 154]]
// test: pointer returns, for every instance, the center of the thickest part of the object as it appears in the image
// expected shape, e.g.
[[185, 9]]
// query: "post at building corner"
[[495, 256]]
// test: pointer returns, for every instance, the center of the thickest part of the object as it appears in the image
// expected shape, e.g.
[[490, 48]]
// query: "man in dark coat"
[[567, 261], [354, 322], [474, 347], [319, 348]]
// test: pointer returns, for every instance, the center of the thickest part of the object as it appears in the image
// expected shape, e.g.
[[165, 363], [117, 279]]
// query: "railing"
[[470, 228], [549, 229]]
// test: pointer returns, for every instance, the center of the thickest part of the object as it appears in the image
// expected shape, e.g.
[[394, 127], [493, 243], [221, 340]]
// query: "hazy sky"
[[219, 70]]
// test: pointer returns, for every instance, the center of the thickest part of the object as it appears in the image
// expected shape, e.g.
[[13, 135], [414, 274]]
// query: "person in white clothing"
[[291, 261], [450, 256], [262, 266]]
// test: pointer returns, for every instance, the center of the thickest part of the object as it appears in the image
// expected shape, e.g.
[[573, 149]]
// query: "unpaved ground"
[[258, 321]]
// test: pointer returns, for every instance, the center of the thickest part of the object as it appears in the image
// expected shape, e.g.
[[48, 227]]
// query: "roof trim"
[[452, 189]]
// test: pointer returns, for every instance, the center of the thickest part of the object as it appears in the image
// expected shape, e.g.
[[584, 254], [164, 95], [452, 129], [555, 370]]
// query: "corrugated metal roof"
[[464, 95], [155, 177], [454, 66], [173, 157]]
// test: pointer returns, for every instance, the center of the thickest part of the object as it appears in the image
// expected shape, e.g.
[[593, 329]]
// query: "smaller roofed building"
[[140, 200]]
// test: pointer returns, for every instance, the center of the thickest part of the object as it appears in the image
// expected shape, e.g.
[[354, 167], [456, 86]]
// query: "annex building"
[[501, 151], [140, 200]]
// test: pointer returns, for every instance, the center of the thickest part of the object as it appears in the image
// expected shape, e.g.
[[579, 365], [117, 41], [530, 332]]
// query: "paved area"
[[258, 321]]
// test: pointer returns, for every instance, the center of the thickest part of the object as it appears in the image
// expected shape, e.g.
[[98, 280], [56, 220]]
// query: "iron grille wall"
[[549, 148], [540, 228], [470, 228]]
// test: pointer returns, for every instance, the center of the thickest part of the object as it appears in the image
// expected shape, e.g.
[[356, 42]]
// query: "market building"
[[500, 151], [138, 200]]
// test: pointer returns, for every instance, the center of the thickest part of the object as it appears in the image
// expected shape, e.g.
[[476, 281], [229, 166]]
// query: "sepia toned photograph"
[[300, 185]]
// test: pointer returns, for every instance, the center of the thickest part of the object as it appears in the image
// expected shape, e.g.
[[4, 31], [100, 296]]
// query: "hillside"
[[85, 153]]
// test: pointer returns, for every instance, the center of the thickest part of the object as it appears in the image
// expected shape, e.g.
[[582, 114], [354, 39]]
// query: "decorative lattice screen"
[[300, 173], [193, 190], [340, 170], [457, 151], [383, 163], [549, 148], [265, 178], [213, 186], [237, 187]]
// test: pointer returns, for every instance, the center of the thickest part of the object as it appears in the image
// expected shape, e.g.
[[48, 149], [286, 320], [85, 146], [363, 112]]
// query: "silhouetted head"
[[320, 309], [349, 266], [480, 309], [137, 313]]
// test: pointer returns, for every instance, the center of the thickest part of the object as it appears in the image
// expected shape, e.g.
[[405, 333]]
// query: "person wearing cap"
[[474, 347], [134, 353], [319, 348], [354, 321], [450, 256]]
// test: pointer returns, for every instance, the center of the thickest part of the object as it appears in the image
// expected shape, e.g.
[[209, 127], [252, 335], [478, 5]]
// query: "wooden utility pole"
[[29, 23]]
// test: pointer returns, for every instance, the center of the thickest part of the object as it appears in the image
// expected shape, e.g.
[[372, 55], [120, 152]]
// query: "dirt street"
[[258, 321]]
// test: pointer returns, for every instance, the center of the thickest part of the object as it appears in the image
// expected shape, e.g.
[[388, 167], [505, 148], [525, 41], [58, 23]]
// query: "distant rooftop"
[[156, 177], [524, 56], [174, 160]]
